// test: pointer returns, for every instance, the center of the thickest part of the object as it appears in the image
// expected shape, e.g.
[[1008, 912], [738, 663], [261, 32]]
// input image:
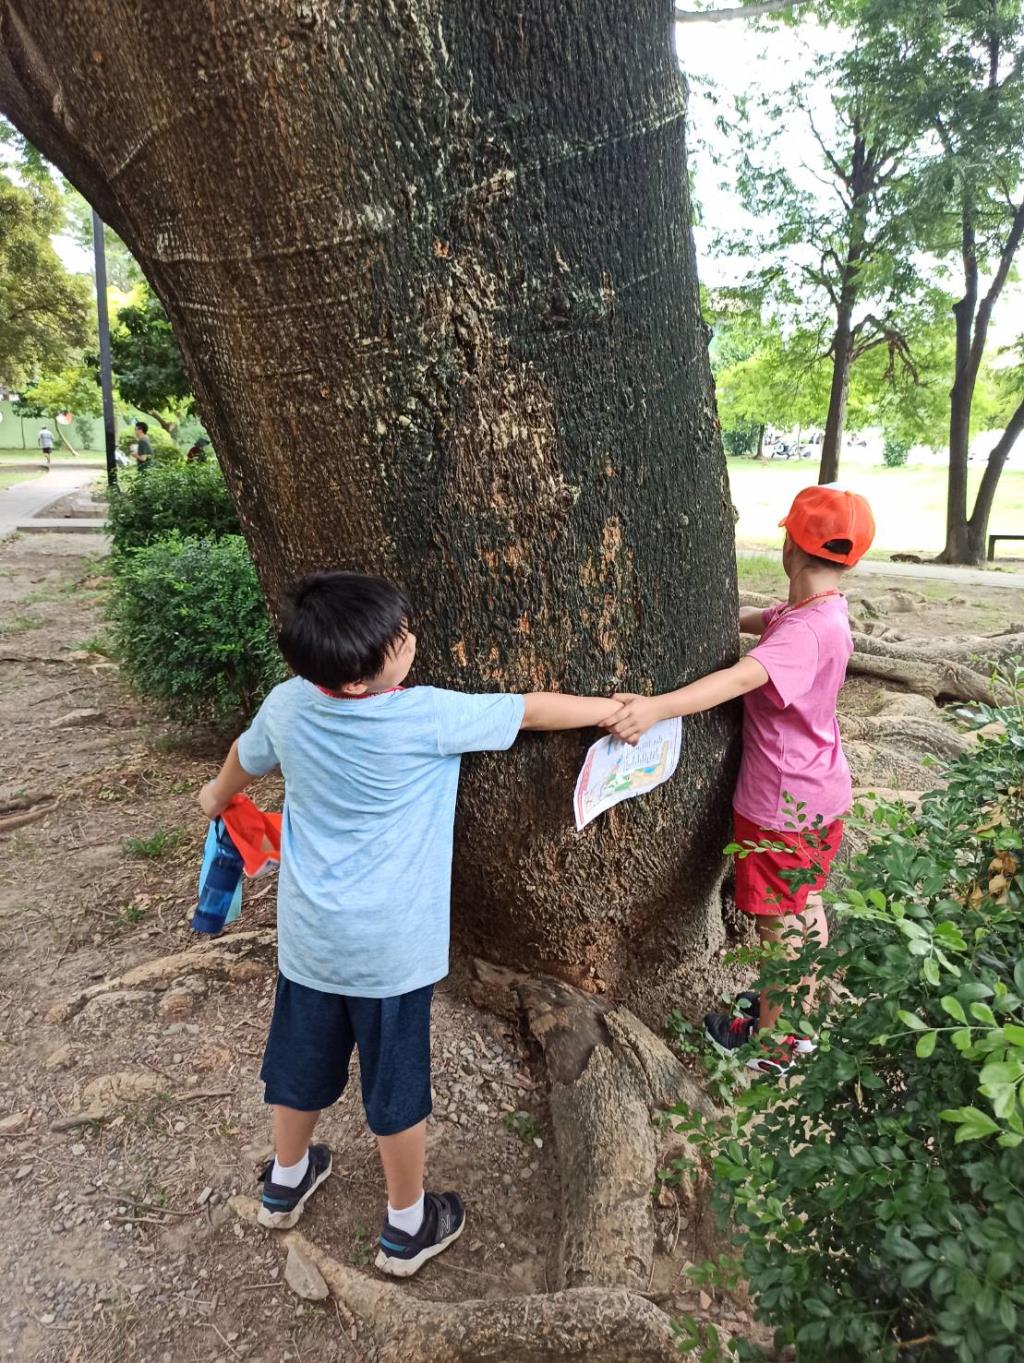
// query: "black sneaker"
[[280, 1206], [402, 1255], [731, 1031]]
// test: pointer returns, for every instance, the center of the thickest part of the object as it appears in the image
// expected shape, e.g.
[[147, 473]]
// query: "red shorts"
[[765, 880]]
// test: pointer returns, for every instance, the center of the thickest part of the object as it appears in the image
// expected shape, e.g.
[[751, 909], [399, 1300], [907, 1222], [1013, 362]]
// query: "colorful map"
[[614, 771]]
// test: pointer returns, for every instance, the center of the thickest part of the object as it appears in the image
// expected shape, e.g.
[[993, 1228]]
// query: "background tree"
[[123, 272], [835, 256], [147, 361], [74, 389], [442, 370], [975, 191], [762, 377], [43, 309]]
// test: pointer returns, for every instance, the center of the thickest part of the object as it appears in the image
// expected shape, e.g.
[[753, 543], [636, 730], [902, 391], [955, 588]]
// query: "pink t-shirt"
[[791, 742]]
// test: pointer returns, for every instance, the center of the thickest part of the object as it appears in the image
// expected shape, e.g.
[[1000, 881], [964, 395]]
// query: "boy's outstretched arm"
[[638, 713], [552, 710], [751, 620], [231, 780]]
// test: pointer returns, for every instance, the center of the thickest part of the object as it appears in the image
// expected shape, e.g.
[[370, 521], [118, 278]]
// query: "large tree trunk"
[[432, 272], [842, 358], [957, 546], [977, 526]]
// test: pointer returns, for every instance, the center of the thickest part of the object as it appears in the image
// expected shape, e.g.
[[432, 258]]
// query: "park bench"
[[992, 543]]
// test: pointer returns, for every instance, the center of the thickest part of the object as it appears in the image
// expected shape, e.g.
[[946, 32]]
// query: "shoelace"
[[739, 1024]]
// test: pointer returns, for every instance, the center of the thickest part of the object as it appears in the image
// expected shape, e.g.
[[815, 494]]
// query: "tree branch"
[[751, 11]]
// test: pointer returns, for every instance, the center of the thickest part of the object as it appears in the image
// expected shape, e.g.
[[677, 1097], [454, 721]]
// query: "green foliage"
[[73, 389], [44, 310], [157, 845], [895, 451], [191, 499], [191, 628], [146, 359], [879, 1200], [524, 1125], [122, 271], [165, 451]]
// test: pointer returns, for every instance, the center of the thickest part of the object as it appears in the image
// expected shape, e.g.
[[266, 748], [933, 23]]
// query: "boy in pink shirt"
[[794, 784]]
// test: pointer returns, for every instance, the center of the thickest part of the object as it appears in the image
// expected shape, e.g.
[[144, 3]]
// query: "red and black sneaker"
[[732, 1032]]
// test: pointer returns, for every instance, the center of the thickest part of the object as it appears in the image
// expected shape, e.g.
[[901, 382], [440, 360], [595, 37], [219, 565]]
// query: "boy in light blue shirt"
[[371, 773]]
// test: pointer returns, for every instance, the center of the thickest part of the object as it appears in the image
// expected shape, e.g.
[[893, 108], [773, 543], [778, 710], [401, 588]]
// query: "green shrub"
[[878, 1202], [165, 450], [896, 451], [192, 630], [191, 499]]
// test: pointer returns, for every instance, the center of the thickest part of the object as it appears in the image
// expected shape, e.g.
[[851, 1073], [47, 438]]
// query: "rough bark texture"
[[432, 273], [835, 420]]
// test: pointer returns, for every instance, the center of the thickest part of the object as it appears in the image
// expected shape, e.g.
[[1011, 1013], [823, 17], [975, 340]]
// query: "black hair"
[[142, 426], [339, 627], [834, 547]]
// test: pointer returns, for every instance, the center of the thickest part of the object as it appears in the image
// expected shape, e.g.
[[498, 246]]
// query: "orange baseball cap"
[[820, 515]]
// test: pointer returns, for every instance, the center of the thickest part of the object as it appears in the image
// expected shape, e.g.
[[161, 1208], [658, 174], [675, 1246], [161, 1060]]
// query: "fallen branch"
[[13, 821]]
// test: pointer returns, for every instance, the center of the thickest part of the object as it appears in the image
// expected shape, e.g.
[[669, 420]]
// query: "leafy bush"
[[191, 499], [896, 451], [877, 1203], [165, 451], [741, 438], [192, 629]]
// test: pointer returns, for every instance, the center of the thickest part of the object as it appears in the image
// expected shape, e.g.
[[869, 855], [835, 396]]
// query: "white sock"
[[408, 1219], [289, 1175]]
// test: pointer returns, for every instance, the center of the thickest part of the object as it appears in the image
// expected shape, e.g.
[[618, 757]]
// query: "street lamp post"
[[106, 382]]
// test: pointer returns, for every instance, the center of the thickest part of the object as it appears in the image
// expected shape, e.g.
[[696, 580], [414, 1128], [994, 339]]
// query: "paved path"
[[925, 572], [21, 501]]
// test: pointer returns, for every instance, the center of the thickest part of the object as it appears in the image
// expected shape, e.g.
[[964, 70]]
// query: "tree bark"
[[432, 273], [977, 526], [842, 355]]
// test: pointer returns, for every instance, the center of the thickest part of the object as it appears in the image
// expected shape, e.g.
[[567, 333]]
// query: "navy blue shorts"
[[312, 1036]]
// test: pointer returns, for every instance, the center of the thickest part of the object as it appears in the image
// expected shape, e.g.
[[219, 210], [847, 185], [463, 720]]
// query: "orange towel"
[[256, 835]]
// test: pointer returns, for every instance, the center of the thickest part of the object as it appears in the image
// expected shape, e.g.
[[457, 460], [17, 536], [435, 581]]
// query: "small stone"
[[526, 1173], [303, 1277], [60, 1059], [48, 1319], [705, 1301], [203, 1197], [176, 1003], [78, 1148], [539, 1142], [180, 1126], [23, 1172]]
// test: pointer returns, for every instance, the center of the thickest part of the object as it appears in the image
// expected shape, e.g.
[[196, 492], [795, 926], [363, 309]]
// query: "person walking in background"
[[143, 451], [45, 442], [197, 453]]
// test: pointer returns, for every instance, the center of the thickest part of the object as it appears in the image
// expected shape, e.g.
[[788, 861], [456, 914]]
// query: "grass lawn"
[[14, 456], [9, 476], [909, 504]]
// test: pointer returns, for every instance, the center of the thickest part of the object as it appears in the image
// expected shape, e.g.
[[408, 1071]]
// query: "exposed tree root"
[[608, 1076], [944, 669], [608, 1073], [238, 956], [390, 1325], [910, 732]]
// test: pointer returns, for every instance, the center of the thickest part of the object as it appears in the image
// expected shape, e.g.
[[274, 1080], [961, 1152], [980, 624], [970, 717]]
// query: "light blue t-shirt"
[[364, 895]]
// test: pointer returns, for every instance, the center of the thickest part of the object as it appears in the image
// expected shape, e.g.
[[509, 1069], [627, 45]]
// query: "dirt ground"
[[126, 1124]]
